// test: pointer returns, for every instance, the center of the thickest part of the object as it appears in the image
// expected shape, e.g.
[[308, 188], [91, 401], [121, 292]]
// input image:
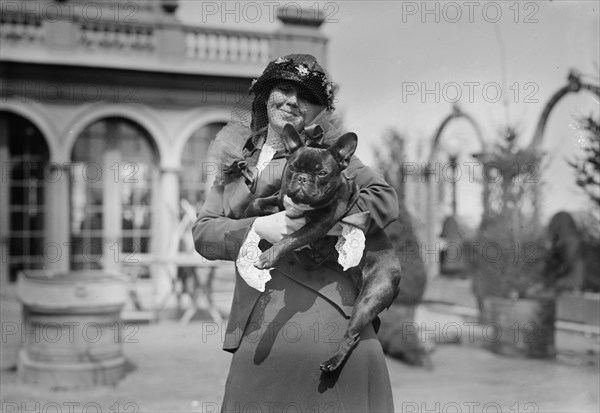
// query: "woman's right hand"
[[276, 226]]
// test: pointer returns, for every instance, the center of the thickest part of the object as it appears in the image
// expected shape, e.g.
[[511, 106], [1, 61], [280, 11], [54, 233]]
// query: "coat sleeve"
[[217, 237], [375, 196]]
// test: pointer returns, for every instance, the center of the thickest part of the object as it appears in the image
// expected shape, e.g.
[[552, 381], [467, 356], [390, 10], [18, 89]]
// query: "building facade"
[[107, 110]]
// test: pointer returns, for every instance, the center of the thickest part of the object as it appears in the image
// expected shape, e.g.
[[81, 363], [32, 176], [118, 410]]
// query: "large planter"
[[522, 328], [400, 336], [10, 314], [72, 334]]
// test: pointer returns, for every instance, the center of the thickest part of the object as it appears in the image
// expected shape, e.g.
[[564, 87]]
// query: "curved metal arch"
[[574, 85], [456, 113]]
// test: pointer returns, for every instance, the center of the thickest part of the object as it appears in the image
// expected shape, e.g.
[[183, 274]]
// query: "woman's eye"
[[322, 172], [306, 96], [291, 168]]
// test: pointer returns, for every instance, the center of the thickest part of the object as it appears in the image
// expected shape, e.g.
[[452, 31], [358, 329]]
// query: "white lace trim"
[[248, 256], [350, 246]]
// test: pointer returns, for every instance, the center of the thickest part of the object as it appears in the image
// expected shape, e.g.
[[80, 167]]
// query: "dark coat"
[[280, 368], [219, 233]]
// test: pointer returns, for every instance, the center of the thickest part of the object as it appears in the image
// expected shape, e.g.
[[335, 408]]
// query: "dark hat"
[[302, 69]]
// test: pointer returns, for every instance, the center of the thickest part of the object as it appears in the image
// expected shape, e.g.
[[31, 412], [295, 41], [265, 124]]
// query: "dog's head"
[[313, 173]]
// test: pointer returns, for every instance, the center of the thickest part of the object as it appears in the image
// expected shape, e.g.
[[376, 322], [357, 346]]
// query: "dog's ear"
[[291, 138], [343, 149]]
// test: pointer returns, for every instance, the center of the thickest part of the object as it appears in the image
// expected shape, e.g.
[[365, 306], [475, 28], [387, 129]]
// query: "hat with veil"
[[249, 119]]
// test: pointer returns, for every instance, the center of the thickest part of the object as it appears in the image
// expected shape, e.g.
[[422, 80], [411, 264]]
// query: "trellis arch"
[[456, 114], [574, 84]]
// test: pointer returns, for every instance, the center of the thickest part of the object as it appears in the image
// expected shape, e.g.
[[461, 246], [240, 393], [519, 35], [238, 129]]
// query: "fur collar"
[[227, 148]]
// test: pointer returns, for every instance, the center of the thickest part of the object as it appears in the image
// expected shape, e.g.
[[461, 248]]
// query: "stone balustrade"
[[20, 30], [235, 47], [161, 45], [123, 39]]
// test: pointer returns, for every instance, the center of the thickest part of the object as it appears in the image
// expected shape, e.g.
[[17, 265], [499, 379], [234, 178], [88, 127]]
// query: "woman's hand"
[[276, 226]]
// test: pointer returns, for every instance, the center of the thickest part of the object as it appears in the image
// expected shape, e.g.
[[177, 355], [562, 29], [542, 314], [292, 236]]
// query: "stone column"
[[56, 219], [5, 168], [165, 226], [112, 175]]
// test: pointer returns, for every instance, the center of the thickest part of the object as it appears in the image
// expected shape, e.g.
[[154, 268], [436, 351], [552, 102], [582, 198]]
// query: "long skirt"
[[291, 331]]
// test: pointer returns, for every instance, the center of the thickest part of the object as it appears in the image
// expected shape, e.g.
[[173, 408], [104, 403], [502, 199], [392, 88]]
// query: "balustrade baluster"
[[145, 40], [82, 36], [243, 49], [113, 38], [212, 46], [95, 36], [19, 30], [265, 50], [234, 49], [191, 45], [122, 39], [138, 40], [253, 49], [29, 32], [224, 47], [202, 45], [39, 32], [151, 40]]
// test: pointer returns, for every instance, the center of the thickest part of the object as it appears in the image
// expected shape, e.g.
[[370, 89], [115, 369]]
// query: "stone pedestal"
[[71, 330], [520, 328]]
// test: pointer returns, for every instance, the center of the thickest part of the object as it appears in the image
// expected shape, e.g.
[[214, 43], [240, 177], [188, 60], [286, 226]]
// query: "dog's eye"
[[322, 172]]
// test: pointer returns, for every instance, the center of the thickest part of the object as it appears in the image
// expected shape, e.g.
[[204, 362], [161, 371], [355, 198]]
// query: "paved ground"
[[182, 369]]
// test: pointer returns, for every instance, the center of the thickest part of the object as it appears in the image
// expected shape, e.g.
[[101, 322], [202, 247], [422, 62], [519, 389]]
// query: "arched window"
[[24, 155], [196, 174], [113, 179]]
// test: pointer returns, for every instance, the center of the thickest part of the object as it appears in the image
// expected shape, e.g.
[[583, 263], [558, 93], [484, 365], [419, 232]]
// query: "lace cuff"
[[248, 256], [350, 246]]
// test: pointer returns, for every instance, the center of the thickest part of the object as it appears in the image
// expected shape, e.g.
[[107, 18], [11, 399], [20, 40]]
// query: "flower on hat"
[[328, 89], [302, 70]]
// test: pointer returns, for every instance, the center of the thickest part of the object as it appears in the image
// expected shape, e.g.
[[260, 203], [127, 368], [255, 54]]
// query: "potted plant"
[[399, 334], [587, 169], [512, 280]]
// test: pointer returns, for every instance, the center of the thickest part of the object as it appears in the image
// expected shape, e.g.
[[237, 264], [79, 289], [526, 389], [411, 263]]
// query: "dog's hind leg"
[[379, 289]]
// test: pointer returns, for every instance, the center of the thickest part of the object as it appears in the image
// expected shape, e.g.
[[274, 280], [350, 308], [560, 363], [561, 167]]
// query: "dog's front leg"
[[262, 206], [311, 231]]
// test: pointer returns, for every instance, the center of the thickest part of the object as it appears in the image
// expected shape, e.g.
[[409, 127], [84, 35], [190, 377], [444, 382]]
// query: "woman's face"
[[287, 103]]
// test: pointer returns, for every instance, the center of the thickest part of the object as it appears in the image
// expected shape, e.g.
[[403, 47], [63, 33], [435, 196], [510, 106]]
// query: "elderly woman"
[[281, 335]]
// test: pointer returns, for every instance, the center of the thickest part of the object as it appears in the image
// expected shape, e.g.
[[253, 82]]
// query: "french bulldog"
[[314, 182]]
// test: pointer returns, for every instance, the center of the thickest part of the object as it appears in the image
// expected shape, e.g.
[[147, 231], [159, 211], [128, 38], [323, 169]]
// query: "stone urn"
[[520, 328], [72, 331]]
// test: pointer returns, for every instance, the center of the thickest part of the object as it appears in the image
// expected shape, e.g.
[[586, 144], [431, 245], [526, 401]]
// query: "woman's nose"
[[292, 98]]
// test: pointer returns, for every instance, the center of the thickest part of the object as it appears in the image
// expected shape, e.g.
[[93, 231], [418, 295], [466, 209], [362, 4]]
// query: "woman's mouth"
[[289, 113]]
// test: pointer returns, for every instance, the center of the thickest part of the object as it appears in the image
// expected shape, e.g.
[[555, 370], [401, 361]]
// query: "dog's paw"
[[333, 363], [264, 261]]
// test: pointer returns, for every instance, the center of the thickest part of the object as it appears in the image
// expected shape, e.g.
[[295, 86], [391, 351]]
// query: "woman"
[[281, 335]]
